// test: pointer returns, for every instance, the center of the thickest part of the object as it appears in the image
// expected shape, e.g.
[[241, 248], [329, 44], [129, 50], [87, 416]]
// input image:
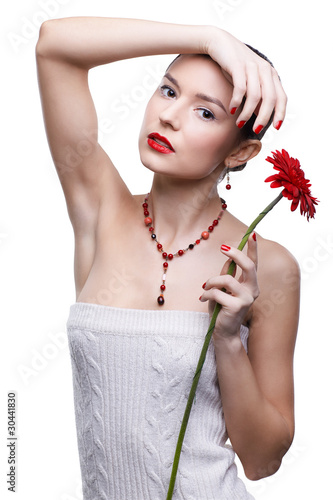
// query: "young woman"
[[142, 261]]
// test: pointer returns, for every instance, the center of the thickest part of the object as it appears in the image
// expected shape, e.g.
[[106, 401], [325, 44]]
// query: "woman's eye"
[[167, 91], [206, 114]]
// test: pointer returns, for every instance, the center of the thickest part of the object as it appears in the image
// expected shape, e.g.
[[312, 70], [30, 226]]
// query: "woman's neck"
[[182, 209]]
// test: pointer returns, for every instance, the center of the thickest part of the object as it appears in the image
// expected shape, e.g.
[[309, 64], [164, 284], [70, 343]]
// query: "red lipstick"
[[160, 143]]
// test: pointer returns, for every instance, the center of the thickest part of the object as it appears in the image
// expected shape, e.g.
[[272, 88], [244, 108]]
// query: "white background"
[[36, 239]]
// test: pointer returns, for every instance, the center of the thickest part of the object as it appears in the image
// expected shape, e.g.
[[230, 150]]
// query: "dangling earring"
[[228, 185]]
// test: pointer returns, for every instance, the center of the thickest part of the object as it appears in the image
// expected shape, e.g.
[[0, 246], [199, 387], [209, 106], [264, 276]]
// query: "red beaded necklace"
[[169, 256]]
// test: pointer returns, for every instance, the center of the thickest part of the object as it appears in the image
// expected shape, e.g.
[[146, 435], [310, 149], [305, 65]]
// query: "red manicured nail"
[[225, 248], [241, 124], [254, 236], [200, 297], [203, 286], [278, 125], [233, 111], [259, 129]]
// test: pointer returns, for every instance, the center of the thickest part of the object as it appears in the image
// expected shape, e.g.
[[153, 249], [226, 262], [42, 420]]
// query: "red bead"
[[151, 229], [211, 228], [215, 222], [224, 206], [205, 235], [146, 213], [197, 242], [170, 256], [162, 287], [180, 252], [165, 264], [228, 187], [148, 221], [160, 300], [159, 246], [145, 205], [164, 255]]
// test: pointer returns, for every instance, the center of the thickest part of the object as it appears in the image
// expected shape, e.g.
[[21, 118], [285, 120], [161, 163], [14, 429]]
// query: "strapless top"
[[132, 372]]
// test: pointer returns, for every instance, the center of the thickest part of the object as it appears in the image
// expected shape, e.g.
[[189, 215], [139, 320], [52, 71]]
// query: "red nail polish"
[[203, 286], [254, 236], [225, 248], [200, 297], [233, 111], [259, 129], [241, 124], [278, 125]]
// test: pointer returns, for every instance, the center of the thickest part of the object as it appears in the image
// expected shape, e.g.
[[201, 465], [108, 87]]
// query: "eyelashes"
[[209, 113], [206, 114], [166, 88]]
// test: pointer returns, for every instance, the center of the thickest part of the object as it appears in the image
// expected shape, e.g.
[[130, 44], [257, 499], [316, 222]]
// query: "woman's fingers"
[[225, 267], [247, 285], [281, 102], [262, 85], [235, 295], [214, 286], [247, 262], [258, 82], [253, 95], [235, 299], [252, 249], [252, 77], [239, 82], [268, 98]]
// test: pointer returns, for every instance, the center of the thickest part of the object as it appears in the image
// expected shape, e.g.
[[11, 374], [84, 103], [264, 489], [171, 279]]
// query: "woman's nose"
[[170, 115]]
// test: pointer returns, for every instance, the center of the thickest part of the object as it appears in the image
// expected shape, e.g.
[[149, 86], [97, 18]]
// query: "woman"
[[141, 262]]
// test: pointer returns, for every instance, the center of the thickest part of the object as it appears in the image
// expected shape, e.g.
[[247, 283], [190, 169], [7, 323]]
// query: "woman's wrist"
[[227, 344], [215, 38], [210, 36]]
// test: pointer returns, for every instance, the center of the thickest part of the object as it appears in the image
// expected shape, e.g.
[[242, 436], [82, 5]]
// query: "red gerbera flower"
[[291, 177]]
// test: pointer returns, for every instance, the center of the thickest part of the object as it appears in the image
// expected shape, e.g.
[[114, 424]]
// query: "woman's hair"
[[246, 132]]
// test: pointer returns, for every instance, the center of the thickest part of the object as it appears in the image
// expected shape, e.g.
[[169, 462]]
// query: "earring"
[[228, 185]]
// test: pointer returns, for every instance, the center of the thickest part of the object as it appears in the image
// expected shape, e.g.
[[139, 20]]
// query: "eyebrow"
[[205, 97]]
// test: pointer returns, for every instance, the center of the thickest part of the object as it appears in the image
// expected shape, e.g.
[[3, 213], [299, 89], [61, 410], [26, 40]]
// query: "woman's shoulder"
[[269, 252], [275, 256], [278, 271]]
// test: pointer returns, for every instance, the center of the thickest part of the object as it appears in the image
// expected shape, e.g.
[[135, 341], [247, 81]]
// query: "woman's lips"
[[160, 143]]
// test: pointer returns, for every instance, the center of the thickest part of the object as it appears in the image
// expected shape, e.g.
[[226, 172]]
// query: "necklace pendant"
[[160, 300], [168, 257]]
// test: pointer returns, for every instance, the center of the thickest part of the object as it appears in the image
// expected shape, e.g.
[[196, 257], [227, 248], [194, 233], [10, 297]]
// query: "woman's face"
[[190, 110]]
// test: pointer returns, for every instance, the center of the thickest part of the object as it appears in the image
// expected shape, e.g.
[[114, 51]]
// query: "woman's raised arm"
[[66, 50]]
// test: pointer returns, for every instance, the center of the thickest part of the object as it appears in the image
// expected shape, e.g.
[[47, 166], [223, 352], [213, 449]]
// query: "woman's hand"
[[252, 77], [239, 295]]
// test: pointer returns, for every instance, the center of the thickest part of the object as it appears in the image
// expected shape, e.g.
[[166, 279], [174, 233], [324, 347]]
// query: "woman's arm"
[[91, 41], [257, 389], [66, 50]]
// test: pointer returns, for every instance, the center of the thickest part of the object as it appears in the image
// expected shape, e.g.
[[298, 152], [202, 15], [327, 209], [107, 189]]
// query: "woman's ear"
[[243, 153]]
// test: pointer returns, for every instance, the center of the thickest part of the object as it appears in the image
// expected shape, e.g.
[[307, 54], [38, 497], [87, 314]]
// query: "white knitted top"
[[132, 373]]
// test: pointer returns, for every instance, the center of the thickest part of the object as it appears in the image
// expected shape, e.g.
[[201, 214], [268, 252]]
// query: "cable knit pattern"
[[132, 372]]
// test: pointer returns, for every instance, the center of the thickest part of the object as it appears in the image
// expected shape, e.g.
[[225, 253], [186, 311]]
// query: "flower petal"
[[291, 177]]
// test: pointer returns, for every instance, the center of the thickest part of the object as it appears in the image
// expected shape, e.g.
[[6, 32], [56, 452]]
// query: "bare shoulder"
[[279, 284], [275, 260]]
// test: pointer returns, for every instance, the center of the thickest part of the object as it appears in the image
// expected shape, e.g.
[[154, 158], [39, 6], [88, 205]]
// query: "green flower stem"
[[204, 352]]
